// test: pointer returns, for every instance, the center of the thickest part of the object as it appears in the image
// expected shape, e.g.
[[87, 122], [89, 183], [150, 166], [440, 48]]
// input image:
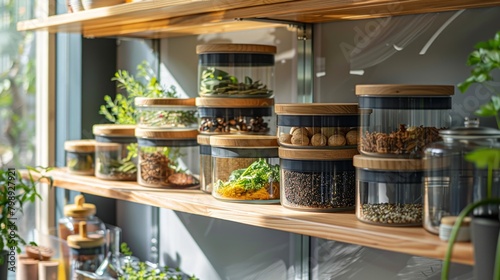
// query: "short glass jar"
[[167, 158], [238, 116], [400, 120], [76, 213], [115, 152], [245, 168], [80, 156], [235, 70], [317, 180], [317, 125], [87, 250], [389, 191], [166, 113], [205, 163]]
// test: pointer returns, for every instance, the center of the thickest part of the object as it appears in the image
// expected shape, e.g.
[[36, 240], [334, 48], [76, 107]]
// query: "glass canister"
[[450, 177], [80, 156], [76, 213], [115, 152], [317, 180], [389, 190], [242, 115], [235, 70], [205, 163], [167, 159], [400, 120], [87, 250], [166, 113], [245, 168], [317, 125]]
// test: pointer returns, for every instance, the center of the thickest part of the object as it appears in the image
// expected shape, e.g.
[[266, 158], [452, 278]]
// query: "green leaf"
[[485, 157], [486, 110]]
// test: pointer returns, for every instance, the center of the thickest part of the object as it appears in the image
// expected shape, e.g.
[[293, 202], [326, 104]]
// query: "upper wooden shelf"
[[169, 18], [342, 226]]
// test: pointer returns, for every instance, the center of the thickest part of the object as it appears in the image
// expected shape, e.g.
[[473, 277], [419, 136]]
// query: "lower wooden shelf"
[[342, 226]]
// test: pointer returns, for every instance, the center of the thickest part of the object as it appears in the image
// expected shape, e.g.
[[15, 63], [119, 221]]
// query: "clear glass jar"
[[317, 125], [389, 191], [205, 163], [87, 250], [76, 213], [167, 159], [317, 180], [245, 168], [166, 113], [451, 181], [400, 120], [80, 156], [115, 152], [235, 70], [238, 116]]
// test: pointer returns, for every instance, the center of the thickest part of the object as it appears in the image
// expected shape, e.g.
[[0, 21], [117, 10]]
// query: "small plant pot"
[[485, 233]]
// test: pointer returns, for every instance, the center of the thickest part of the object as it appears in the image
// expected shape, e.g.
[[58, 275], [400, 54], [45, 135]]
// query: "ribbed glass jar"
[[80, 156], [166, 113]]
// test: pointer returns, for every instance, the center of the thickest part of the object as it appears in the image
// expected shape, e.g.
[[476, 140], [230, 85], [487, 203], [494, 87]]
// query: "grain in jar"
[[80, 156], [205, 163], [166, 113]]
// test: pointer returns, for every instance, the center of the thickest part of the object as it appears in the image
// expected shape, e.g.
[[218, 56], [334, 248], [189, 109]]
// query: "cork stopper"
[[84, 240], [79, 209]]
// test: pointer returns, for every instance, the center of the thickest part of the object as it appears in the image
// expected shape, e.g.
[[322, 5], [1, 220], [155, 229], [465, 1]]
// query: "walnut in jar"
[[300, 139], [319, 139], [336, 140], [285, 138], [329, 131], [352, 137], [313, 130], [298, 131]]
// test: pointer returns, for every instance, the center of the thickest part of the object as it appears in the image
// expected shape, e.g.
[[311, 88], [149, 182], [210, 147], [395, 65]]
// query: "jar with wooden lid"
[[321, 180], [318, 125], [205, 163], [76, 213], [80, 156], [235, 116], [167, 158], [235, 70], [400, 120], [166, 113], [389, 191], [245, 168], [87, 250], [115, 152]]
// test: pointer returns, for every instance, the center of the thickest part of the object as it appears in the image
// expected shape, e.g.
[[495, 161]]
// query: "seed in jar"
[[352, 137], [300, 139], [318, 139], [336, 140], [285, 138], [313, 130]]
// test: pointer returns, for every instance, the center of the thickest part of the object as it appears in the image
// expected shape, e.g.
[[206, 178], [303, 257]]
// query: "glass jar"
[[205, 163], [115, 152], [235, 70], [318, 125], [167, 159], [87, 250], [166, 113], [400, 120], [389, 191], [80, 156], [245, 168], [76, 213], [450, 177], [242, 115], [317, 180]]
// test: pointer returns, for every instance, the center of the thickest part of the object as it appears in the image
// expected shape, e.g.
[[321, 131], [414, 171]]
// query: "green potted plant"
[[15, 192]]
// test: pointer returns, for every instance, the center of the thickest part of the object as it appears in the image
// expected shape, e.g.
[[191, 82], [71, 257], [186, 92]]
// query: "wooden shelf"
[[161, 19], [343, 227]]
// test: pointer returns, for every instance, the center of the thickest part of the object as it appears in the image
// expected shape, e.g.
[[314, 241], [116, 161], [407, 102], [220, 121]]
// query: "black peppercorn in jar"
[[80, 156], [167, 158], [321, 180]]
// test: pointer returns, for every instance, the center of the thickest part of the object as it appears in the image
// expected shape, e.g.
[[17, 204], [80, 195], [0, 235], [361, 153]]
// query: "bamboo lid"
[[116, 130], [234, 102], [450, 221], [81, 146], [317, 109], [165, 134], [244, 141], [146, 101], [104, 146], [84, 240], [396, 164], [388, 90], [317, 154], [235, 48], [80, 209], [203, 139]]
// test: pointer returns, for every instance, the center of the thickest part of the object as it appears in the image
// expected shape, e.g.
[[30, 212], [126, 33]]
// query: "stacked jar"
[[317, 144], [397, 123]]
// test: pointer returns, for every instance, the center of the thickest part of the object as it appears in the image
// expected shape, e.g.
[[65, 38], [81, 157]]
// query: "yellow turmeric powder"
[[240, 193]]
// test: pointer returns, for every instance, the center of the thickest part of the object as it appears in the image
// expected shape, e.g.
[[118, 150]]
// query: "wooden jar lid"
[[244, 141], [235, 48], [388, 90], [146, 101], [451, 220], [80, 209], [317, 154], [317, 109], [83, 240], [203, 139], [114, 130], [215, 102], [394, 164], [165, 134], [80, 146]]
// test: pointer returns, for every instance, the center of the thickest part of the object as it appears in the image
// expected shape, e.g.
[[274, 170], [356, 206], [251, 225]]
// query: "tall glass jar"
[[80, 156], [87, 250], [76, 213], [166, 113], [245, 168], [235, 70], [205, 163], [167, 158], [400, 120]]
